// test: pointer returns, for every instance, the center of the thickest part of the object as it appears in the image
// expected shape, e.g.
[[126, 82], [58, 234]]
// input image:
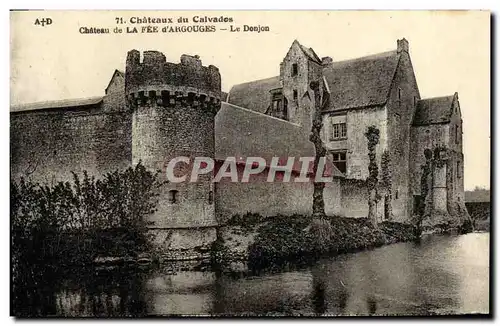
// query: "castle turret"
[[174, 108]]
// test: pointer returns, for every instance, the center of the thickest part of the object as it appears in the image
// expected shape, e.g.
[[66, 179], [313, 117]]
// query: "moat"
[[440, 275]]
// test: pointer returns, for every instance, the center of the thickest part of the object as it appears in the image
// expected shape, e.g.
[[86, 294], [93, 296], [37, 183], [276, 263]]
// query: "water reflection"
[[441, 275]]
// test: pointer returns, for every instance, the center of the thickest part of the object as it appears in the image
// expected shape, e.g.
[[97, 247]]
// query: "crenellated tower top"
[[155, 81]]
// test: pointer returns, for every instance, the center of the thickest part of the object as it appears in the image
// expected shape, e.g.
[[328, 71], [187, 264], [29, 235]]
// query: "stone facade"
[[157, 110], [378, 90], [174, 108]]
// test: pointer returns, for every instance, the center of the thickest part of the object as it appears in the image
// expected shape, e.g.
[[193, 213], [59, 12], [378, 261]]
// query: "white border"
[[492, 5]]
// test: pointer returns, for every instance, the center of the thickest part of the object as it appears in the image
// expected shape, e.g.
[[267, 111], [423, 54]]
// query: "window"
[[295, 95], [172, 196], [210, 197], [415, 99], [295, 69], [276, 105], [340, 161], [400, 93], [339, 131], [456, 135], [458, 170], [396, 195]]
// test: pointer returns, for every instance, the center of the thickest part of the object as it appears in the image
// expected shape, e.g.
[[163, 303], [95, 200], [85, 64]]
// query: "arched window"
[[172, 196]]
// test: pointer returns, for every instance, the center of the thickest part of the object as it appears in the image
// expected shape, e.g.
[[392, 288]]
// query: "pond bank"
[[252, 242]]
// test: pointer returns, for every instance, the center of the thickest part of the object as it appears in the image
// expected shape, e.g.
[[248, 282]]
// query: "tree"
[[425, 184], [320, 226], [386, 183], [373, 135], [320, 151]]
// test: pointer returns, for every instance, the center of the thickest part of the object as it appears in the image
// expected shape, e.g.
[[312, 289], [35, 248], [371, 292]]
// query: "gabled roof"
[[434, 110], [355, 83], [57, 104], [243, 133], [309, 52], [253, 95], [115, 73], [68, 103], [361, 82]]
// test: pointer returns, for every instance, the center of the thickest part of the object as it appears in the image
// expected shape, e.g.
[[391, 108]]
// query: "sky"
[[450, 52]]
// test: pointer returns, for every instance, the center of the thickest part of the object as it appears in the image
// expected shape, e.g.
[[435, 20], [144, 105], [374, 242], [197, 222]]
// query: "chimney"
[[325, 61], [403, 46]]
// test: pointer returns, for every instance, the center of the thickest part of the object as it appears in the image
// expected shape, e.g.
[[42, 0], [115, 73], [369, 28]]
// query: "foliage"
[[386, 171], [77, 220], [372, 135], [247, 220], [440, 156], [286, 238], [386, 182], [55, 227], [425, 181]]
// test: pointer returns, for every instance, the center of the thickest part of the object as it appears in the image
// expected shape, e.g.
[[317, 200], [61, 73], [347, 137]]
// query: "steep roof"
[[57, 104], [253, 95], [354, 83], [115, 73], [309, 52], [361, 82], [433, 110], [243, 133]]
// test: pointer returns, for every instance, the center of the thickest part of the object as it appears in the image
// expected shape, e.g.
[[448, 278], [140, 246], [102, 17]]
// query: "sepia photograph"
[[250, 163]]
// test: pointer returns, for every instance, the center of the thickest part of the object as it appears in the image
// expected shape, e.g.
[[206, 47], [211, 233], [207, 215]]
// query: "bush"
[[66, 224], [286, 238], [87, 217], [246, 221]]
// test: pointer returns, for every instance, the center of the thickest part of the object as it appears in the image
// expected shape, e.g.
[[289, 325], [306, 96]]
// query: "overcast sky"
[[450, 52]]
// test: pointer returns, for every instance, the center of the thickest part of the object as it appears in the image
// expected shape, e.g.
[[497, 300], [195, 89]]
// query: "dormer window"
[[295, 69], [279, 105]]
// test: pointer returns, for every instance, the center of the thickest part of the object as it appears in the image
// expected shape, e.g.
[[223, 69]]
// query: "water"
[[441, 275]]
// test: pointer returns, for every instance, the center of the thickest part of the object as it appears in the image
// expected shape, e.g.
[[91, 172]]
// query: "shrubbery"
[[84, 218], [286, 238], [55, 226]]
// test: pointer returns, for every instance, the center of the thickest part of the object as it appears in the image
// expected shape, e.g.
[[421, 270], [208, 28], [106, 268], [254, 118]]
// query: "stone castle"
[[158, 110]]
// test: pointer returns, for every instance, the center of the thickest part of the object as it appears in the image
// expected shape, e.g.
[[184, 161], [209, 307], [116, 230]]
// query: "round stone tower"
[[174, 108]]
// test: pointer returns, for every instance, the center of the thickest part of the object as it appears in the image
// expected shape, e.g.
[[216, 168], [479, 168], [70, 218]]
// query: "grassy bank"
[[273, 241]]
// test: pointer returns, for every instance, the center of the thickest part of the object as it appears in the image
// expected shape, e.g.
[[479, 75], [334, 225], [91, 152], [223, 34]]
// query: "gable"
[[433, 111], [357, 83], [116, 83]]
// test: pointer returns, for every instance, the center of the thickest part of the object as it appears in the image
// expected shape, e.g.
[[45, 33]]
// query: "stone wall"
[[299, 109], [356, 145], [400, 111], [174, 108], [46, 145], [272, 198], [456, 194]]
